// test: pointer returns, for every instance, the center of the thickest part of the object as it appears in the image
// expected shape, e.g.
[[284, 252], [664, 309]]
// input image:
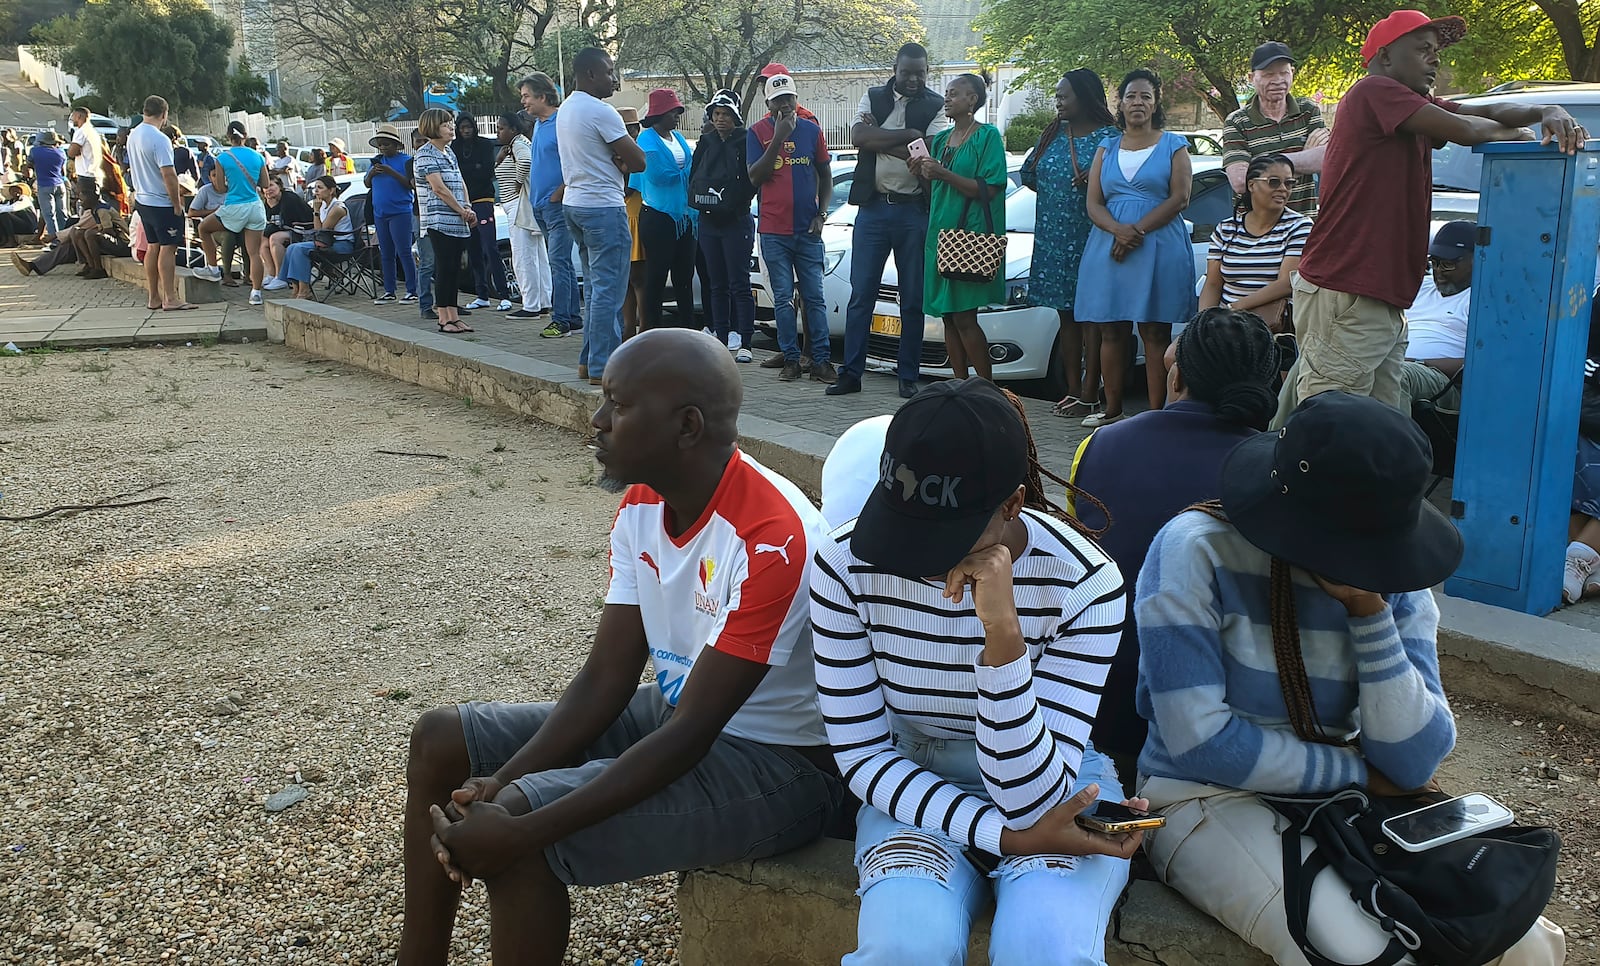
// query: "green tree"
[[19, 17], [247, 90], [712, 44], [129, 49], [1509, 41]]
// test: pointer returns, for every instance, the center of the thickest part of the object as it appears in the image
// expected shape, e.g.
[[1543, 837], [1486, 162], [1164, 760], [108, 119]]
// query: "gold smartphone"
[[1114, 819]]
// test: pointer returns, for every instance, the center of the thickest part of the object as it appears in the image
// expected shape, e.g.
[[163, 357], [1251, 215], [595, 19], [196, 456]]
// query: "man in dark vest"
[[892, 214]]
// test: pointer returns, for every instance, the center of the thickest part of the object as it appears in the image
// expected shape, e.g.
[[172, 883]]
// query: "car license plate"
[[886, 324]]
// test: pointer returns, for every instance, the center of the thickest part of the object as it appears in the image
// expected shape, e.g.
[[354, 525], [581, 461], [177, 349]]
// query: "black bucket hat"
[[1339, 492]]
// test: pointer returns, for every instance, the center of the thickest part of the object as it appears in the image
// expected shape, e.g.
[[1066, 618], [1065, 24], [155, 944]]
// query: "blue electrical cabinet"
[[1533, 275]]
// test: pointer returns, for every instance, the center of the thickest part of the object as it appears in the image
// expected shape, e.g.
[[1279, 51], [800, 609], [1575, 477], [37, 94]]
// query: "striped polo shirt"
[[894, 653], [1251, 263], [1247, 133]]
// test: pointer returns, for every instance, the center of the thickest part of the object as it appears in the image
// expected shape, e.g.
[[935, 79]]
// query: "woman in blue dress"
[[1138, 267], [1058, 171]]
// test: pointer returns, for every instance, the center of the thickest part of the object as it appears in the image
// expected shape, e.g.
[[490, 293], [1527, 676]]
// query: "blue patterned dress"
[[1061, 223]]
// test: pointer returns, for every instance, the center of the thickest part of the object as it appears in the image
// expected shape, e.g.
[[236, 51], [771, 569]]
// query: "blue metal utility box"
[[1538, 226]]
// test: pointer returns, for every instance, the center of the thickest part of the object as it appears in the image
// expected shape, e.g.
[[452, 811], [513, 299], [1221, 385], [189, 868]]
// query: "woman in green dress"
[[963, 159]]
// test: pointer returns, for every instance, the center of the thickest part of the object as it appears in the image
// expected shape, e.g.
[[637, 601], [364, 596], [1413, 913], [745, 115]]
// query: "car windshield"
[[1456, 168]]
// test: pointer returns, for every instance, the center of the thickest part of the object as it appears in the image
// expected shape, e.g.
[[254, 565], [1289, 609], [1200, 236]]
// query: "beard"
[[609, 483], [1449, 288]]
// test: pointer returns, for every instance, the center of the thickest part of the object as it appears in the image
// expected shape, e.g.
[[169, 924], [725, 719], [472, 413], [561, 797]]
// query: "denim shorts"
[[743, 800]]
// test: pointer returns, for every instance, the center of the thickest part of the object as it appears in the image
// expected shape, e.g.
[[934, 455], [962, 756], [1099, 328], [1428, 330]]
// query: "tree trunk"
[[1576, 50], [1224, 101]]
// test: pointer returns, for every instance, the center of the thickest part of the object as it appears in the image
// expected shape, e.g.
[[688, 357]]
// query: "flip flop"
[[185, 307], [443, 327]]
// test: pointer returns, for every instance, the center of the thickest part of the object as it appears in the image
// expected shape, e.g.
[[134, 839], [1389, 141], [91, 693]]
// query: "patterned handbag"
[[970, 256]]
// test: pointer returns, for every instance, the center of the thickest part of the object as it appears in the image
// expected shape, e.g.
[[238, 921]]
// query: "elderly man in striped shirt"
[[1274, 121]]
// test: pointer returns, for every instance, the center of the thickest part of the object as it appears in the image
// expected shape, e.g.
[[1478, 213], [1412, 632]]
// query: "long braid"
[[1034, 495], [1292, 678]]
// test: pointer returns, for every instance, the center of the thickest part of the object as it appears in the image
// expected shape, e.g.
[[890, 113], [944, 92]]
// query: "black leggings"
[[447, 252], [666, 253]]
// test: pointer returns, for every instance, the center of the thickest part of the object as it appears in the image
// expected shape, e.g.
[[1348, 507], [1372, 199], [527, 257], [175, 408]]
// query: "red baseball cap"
[[662, 100], [773, 68], [1402, 22]]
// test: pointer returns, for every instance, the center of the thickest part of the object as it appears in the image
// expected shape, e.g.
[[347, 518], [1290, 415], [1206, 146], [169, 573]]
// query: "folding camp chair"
[[354, 273]]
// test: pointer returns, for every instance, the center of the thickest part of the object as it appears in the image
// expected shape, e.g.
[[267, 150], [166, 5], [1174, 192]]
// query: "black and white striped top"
[[893, 652], [1251, 263]]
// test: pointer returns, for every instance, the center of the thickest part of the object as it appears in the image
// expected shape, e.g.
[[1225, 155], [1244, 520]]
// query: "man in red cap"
[[1369, 247], [774, 69]]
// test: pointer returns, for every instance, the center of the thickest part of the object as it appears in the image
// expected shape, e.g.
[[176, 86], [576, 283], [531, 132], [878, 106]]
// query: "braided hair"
[[1033, 492], [1258, 166], [1229, 359]]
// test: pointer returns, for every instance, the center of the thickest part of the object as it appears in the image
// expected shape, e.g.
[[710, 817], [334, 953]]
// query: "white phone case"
[[1448, 821]]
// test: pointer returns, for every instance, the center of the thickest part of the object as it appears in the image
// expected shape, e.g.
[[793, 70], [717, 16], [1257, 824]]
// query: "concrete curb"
[[1486, 652]]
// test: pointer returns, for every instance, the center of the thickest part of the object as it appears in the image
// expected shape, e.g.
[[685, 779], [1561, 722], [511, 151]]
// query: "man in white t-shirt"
[[722, 756], [1436, 323], [84, 153], [597, 155], [159, 201], [285, 168]]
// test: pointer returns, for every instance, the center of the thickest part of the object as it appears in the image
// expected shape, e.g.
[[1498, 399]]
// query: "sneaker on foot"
[[504, 306], [1103, 419], [255, 296], [212, 274], [743, 355], [478, 304], [384, 299], [522, 314], [791, 372], [408, 297], [1582, 561], [824, 372], [273, 284], [555, 330], [431, 315]]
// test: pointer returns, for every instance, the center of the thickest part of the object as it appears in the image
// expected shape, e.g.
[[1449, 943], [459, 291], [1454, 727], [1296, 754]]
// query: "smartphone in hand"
[[1112, 818], [917, 149]]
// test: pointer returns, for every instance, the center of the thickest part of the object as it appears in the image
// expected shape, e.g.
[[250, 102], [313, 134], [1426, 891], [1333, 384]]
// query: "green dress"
[[983, 157]]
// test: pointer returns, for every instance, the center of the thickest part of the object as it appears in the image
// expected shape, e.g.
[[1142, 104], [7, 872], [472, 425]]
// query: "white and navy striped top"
[[1251, 263], [892, 653]]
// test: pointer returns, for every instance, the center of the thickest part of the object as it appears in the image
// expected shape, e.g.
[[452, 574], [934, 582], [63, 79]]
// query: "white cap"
[[851, 470], [778, 85]]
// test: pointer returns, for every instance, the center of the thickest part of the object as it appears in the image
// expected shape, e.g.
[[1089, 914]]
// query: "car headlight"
[[1017, 292], [831, 260]]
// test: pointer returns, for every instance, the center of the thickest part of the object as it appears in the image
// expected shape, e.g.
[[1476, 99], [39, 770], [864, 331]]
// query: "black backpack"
[[1459, 904], [719, 180]]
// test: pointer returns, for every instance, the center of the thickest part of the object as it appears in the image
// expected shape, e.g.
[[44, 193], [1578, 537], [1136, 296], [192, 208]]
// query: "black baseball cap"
[[1454, 240], [1270, 51], [952, 455]]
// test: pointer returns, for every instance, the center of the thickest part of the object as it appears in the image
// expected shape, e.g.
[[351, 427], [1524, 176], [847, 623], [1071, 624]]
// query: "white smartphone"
[[917, 149], [1446, 822]]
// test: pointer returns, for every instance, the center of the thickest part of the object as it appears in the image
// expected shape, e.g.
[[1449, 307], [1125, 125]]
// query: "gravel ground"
[[288, 613]]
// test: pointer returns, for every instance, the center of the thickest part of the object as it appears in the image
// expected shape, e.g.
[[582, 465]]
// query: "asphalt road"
[[24, 106]]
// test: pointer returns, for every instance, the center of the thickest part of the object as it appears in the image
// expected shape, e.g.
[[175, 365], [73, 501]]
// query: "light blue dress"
[[1155, 282]]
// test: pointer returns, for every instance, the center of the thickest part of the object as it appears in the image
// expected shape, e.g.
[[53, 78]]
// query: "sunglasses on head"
[[1276, 183]]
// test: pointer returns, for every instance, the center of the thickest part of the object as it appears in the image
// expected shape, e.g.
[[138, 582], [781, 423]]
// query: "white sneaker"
[[743, 355], [274, 284], [735, 342], [212, 274], [1094, 420], [504, 306], [255, 296], [1582, 562], [478, 304]]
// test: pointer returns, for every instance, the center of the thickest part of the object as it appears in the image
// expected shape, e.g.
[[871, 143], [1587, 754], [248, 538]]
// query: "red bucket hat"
[[662, 101], [1402, 22]]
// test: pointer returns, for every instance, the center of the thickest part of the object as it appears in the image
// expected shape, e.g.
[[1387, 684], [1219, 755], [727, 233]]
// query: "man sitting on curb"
[[96, 234], [723, 756]]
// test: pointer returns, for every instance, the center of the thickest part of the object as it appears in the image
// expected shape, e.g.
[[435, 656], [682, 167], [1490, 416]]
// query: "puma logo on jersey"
[[645, 559], [782, 551]]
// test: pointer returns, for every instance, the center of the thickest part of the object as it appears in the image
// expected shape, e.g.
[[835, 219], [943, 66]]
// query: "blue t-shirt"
[[390, 197], [544, 175], [48, 166], [243, 167]]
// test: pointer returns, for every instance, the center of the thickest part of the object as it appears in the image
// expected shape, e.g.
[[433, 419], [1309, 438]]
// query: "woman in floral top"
[[1058, 170]]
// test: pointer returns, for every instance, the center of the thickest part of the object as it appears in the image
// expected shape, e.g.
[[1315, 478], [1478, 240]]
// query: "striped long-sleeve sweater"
[[1208, 680], [893, 652]]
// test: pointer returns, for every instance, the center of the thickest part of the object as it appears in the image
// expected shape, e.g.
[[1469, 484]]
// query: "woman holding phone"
[[961, 649], [965, 166]]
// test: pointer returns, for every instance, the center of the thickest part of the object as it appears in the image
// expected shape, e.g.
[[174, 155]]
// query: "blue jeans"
[[919, 893], [424, 268], [564, 305], [394, 247], [729, 301], [297, 259], [882, 228], [787, 256], [606, 246], [53, 209]]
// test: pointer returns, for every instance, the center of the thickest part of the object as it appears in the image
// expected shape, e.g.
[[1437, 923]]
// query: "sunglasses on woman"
[[1276, 183]]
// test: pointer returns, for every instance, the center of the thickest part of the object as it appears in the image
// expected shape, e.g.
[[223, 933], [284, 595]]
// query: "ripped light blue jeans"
[[919, 893]]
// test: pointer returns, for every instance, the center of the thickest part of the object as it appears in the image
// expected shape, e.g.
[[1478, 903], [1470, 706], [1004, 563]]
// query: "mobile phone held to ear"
[[917, 149], [1114, 819], [1449, 821]]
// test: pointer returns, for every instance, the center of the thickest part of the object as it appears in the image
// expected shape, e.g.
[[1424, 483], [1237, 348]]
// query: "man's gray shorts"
[[744, 800]]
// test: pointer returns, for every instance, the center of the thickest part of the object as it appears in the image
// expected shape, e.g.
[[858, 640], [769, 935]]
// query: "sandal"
[[1067, 402], [452, 328]]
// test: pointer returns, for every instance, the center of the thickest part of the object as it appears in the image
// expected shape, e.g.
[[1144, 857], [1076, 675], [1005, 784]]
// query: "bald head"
[[674, 368]]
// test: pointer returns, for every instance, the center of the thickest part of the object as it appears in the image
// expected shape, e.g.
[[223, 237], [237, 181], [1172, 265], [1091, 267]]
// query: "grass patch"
[[92, 364], [495, 485], [453, 629]]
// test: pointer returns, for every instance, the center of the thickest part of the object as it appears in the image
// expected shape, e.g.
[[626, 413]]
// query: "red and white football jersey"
[[737, 580]]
